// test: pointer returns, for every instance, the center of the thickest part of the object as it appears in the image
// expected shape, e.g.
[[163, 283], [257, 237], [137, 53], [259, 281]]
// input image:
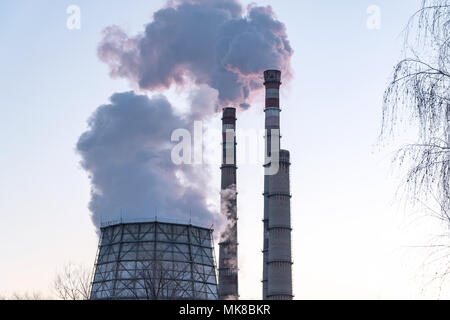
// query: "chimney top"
[[229, 113], [285, 156], [272, 76]]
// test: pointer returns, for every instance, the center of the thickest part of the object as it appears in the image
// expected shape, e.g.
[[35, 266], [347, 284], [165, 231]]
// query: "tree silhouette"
[[419, 94]]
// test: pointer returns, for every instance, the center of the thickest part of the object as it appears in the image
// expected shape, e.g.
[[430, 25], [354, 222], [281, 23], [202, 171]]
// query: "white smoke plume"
[[127, 152], [201, 42], [213, 48], [228, 198]]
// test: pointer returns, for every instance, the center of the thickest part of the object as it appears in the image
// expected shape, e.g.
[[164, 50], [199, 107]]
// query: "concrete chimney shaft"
[[228, 247], [277, 260]]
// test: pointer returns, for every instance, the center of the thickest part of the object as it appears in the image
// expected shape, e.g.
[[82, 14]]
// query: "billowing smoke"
[[209, 42], [127, 152], [210, 47], [228, 199]]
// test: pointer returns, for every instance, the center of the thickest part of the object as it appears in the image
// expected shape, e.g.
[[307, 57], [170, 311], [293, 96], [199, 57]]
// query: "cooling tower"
[[228, 247], [154, 261], [277, 260]]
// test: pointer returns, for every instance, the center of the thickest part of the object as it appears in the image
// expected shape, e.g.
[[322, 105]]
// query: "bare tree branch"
[[419, 94], [73, 283]]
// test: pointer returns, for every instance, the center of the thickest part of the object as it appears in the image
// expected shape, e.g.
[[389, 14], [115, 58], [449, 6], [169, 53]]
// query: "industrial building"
[[277, 259], [155, 261], [228, 247]]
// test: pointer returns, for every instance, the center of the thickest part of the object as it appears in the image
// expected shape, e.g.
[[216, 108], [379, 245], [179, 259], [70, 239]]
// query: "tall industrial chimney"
[[228, 260], [277, 260]]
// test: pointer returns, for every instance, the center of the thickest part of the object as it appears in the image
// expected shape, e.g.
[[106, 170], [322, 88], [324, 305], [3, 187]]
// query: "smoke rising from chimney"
[[126, 151], [228, 197], [210, 47], [201, 42]]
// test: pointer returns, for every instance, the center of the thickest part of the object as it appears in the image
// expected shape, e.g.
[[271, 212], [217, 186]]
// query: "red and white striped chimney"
[[277, 261], [228, 247]]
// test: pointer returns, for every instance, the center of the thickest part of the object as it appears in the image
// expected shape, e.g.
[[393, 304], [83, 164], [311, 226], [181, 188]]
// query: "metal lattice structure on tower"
[[155, 261]]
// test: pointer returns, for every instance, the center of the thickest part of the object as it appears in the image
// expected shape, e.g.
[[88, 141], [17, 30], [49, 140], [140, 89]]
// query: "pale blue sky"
[[349, 232]]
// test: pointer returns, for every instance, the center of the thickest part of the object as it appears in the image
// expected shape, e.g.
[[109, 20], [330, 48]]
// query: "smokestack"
[[228, 261], [277, 261]]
